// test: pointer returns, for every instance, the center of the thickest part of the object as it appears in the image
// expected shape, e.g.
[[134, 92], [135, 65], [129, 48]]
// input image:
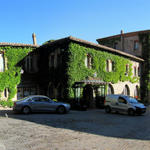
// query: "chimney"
[[122, 40], [34, 39]]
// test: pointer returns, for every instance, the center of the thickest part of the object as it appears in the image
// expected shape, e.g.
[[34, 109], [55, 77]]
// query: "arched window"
[[136, 92], [110, 89], [1, 63], [126, 90]]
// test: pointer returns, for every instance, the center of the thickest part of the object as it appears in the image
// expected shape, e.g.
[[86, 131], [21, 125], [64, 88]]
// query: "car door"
[[38, 104], [48, 104], [122, 104]]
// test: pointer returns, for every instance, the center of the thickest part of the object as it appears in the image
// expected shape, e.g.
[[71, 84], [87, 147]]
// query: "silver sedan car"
[[39, 103]]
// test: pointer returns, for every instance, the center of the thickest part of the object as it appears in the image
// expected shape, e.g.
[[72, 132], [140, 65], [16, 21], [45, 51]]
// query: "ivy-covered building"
[[76, 70], [137, 44], [10, 74]]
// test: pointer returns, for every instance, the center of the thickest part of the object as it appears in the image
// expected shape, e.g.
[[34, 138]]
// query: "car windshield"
[[132, 100], [23, 98]]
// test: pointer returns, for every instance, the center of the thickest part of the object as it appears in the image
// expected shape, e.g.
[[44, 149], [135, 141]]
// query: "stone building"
[[76, 70], [137, 44]]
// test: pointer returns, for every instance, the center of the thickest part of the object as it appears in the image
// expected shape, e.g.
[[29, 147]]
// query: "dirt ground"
[[78, 130]]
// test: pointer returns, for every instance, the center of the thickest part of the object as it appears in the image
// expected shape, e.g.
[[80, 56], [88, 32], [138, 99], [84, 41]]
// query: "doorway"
[[88, 96]]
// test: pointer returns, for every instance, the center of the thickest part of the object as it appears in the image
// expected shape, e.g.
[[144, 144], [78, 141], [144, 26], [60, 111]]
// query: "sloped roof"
[[94, 45], [124, 35]]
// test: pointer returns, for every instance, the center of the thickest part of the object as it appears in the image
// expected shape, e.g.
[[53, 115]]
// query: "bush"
[[8, 103]]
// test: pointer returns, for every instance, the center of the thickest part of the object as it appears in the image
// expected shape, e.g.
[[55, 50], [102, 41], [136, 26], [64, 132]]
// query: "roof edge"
[[108, 49], [124, 34], [17, 44]]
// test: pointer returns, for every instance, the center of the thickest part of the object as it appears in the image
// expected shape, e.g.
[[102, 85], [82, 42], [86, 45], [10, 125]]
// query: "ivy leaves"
[[11, 77], [78, 71]]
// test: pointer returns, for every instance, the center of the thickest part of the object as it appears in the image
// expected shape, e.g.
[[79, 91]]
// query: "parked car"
[[39, 103], [123, 103]]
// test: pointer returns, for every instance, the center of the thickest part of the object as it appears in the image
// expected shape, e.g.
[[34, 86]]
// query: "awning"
[[100, 82]]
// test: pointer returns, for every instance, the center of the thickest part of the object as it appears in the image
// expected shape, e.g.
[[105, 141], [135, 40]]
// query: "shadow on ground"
[[92, 121]]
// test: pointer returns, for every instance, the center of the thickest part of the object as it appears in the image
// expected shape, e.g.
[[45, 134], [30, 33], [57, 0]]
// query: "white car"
[[123, 103]]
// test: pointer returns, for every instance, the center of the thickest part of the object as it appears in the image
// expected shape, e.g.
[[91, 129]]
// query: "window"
[[126, 90], [40, 99], [1, 63], [88, 61], [115, 45], [135, 71], [127, 69], [122, 100], [29, 64], [136, 45], [107, 65], [110, 65], [113, 66], [5, 92], [36, 99], [139, 72]]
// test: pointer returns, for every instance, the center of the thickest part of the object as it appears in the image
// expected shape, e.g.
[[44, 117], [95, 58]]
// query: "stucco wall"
[[119, 87], [129, 45]]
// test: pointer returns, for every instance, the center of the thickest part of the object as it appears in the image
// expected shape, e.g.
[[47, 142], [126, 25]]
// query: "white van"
[[123, 103]]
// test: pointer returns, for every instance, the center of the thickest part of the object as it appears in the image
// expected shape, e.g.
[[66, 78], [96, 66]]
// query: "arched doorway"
[[110, 89], [126, 90], [88, 95]]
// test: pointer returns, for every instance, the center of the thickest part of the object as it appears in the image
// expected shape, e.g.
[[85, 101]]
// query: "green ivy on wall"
[[77, 70], [144, 39], [11, 76]]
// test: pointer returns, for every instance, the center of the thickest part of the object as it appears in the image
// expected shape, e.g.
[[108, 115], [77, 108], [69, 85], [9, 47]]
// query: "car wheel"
[[61, 110], [131, 112], [107, 109], [26, 110]]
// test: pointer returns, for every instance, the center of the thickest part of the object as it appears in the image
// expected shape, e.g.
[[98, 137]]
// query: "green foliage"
[[77, 70], [8, 103], [11, 77], [144, 39]]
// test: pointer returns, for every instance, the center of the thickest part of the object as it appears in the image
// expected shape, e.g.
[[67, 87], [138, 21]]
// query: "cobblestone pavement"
[[78, 130]]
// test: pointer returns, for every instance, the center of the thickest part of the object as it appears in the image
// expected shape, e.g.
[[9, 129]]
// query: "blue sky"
[[85, 19]]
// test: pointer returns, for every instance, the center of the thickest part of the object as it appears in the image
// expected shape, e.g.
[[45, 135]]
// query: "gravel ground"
[[78, 130]]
